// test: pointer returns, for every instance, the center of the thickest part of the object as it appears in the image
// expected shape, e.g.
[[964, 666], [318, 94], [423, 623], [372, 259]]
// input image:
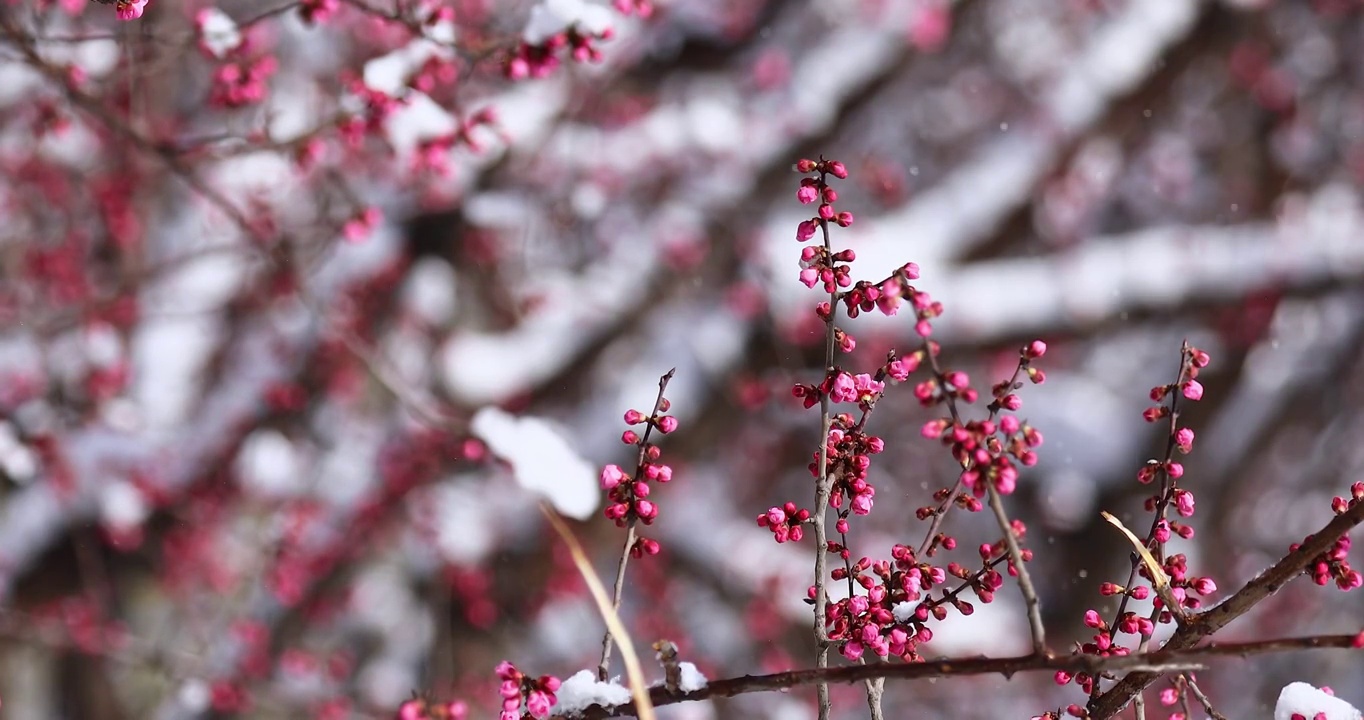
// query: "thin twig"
[[1025, 585], [1202, 698], [604, 667], [1166, 488], [822, 490], [642, 705]]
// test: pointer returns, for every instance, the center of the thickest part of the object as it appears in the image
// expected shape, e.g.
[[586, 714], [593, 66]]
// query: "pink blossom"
[[611, 476], [861, 504], [1192, 390], [131, 9], [538, 703], [1184, 503]]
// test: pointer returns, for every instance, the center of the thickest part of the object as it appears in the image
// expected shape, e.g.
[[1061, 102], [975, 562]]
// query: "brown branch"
[[823, 488], [1163, 660], [1178, 654], [1206, 623]]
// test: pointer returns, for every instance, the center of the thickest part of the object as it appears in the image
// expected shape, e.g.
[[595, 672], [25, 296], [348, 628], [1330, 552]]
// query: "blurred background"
[[249, 303]]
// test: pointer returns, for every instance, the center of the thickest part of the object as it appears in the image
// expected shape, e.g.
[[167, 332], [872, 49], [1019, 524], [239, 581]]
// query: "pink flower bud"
[[807, 194], [1035, 349], [1184, 502], [633, 417], [538, 704], [667, 424], [1192, 390], [611, 476]]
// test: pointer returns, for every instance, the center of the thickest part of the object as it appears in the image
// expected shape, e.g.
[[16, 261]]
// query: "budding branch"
[[1178, 653]]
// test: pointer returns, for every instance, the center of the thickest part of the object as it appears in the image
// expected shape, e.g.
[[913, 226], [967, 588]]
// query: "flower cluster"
[[849, 450], [1334, 564], [241, 83], [889, 617], [1183, 586], [628, 494], [518, 691], [785, 522], [553, 27], [892, 617], [886, 295], [842, 387]]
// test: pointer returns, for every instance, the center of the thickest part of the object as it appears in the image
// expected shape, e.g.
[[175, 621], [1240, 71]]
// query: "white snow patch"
[[122, 505], [269, 464], [1299, 698], [97, 57], [218, 31], [583, 690], [103, 346], [167, 355], [194, 695], [555, 16], [16, 460], [482, 367], [416, 120], [541, 460], [429, 292], [389, 74], [463, 533], [692, 679]]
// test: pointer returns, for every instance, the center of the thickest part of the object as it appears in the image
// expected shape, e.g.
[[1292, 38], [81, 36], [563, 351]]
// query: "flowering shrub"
[[316, 316]]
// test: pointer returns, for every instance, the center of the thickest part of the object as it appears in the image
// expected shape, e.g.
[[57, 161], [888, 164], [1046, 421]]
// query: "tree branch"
[[1163, 660], [1206, 623]]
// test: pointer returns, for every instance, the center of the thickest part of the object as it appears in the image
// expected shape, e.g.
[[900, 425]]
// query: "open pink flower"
[[131, 9]]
